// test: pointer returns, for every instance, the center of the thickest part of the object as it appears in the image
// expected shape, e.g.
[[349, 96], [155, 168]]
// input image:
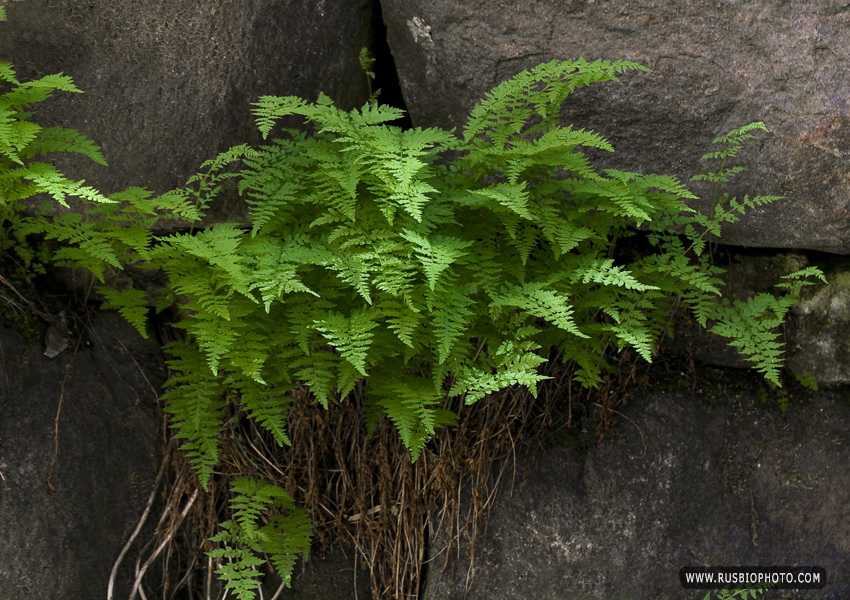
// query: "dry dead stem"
[[364, 490]]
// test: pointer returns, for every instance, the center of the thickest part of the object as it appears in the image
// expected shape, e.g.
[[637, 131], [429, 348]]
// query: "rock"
[[715, 67], [321, 578], [169, 85], [61, 532], [714, 479], [821, 342]]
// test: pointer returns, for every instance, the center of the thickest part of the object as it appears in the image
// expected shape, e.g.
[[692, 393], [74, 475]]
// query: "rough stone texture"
[[168, 85], [821, 343], [715, 478], [716, 66], [331, 576], [62, 546]]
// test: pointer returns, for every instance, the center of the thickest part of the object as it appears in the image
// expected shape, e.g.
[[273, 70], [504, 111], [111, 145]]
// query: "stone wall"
[[80, 451], [715, 66], [169, 84]]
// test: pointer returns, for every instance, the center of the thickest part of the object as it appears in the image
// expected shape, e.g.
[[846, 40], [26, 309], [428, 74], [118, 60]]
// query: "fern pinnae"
[[195, 400], [61, 139], [285, 535], [376, 252], [266, 404]]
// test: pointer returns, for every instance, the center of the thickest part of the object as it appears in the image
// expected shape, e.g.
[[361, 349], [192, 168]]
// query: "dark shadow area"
[[386, 78]]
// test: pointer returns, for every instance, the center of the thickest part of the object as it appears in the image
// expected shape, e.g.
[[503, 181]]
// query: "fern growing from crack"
[[433, 265], [427, 264]]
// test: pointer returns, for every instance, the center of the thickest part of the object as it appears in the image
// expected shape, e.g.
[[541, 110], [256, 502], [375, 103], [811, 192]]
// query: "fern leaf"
[[751, 329], [604, 272], [7, 73], [131, 304], [437, 253], [351, 336], [214, 336], [60, 139], [195, 399], [519, 367], [271, 108], [402, 320], [284, 537], [514, 197], [411, 403], [316, 370], [540, 302], [451, 313]]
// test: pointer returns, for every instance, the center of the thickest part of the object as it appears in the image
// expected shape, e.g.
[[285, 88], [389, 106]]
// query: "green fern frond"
[[375, 252], [266, 404], [38, 90], [7, 71], [60, 139], [317, 370], [520, 368], [436, 253], [514, 197], [799, 279], [506, 110], [412, 404], [48, 180], [131, 304], [451, 313], [284, 537], [351, 336], [540, 302], [751, 328], [603, 272], [195, 399]]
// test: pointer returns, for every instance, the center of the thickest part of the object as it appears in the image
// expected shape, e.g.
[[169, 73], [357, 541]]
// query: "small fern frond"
[[130, 303], [452, 312], [540, 302], [603, 272], [413, 404], [317, 370], [507, 108], [284, 537], [351, 336], [518, 366], [751, 328], [60, 139]]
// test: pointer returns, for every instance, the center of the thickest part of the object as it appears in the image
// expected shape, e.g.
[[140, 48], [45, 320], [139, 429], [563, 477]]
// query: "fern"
[[750, 325], [424, 263], [283, 536], [21, 140], [373, 252], [131, 304], [742, 593], [196, 402], [110, 231]]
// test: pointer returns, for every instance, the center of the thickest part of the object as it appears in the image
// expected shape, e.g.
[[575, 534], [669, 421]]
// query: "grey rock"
[[61, 543], [821, 342], [325, 577], [715, 67], [720, 480], [168, 85]]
